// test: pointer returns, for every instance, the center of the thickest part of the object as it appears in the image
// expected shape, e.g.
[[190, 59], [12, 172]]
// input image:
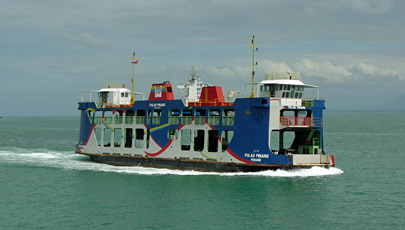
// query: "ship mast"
[[133, 62], [254, 49]]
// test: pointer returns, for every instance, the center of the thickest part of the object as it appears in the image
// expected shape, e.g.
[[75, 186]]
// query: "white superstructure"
[[285, 86], [114, 94], [192, 90]]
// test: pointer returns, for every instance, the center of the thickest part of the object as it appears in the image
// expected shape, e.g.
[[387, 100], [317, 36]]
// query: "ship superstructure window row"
[[175, 116], [281, 91]]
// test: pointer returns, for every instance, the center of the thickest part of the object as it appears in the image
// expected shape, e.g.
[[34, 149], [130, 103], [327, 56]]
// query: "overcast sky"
[[52, 50]]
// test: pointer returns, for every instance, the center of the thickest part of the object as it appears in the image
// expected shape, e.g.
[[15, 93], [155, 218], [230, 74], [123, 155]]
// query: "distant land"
[[398, 104]]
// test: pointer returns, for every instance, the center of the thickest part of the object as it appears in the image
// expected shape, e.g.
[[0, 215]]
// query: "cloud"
[[268, 66], [351, 74], [227, 72], [84, 40], [367, 69], [323, 69]]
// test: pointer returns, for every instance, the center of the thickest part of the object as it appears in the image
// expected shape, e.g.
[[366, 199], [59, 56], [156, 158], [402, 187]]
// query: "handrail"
[[300, 121], [281, 76]]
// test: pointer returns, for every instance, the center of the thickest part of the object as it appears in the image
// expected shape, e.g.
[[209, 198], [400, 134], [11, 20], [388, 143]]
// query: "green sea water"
[[45, 185]]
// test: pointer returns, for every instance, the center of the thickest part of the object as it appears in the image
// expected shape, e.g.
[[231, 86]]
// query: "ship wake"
[[69, 160]]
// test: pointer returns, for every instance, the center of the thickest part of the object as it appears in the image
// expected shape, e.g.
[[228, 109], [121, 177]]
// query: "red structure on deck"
[[211, 96], [161, 91]]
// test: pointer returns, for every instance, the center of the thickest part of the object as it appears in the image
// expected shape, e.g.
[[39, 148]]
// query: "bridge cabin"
[[114, 95], [284, 86]]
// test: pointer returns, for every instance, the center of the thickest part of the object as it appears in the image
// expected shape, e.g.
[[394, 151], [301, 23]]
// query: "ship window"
[[214, 116], [157, 116], [97, 132], [200, 112], [213, 136], [272, 89], [288, 140], [185, 139], [287, 113], [187, 117], [129, 117], [228, 117], [128, 138], [200, 116], [139, 138], [174, 117], [262, 88], [226, 138], [103, 94], [117, 137], [169, 89], [288, 87], [274, 141], [172, 134], [198, 140], [107, 137], [122, 94], [287, 94], [140, 116], [283, 95]]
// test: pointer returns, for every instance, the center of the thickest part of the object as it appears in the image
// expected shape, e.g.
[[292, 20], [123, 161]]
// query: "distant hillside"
[[394, 105]]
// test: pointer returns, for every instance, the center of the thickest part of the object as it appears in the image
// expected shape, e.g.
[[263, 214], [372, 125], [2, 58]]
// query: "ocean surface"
[[45, 185]]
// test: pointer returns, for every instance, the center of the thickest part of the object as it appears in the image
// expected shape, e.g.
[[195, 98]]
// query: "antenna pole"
[[133, 62], [254, 49]]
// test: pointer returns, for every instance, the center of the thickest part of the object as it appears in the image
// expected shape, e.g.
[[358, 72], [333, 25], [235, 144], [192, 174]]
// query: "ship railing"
[[199, 120], [186, 120], [213, 120], [307, 102], [140, 119], [156, 120], [228, 121], [118, 120], [174, 120], [301, 121], [96, 120], [281, 76], [215, 102], [129, 120]]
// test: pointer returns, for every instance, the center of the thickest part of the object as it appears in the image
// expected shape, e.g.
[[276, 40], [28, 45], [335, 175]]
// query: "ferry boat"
[[202, 131]]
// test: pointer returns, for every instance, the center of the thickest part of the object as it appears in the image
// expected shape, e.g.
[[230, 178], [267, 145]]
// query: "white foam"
[[39, 155], [72, 161]]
